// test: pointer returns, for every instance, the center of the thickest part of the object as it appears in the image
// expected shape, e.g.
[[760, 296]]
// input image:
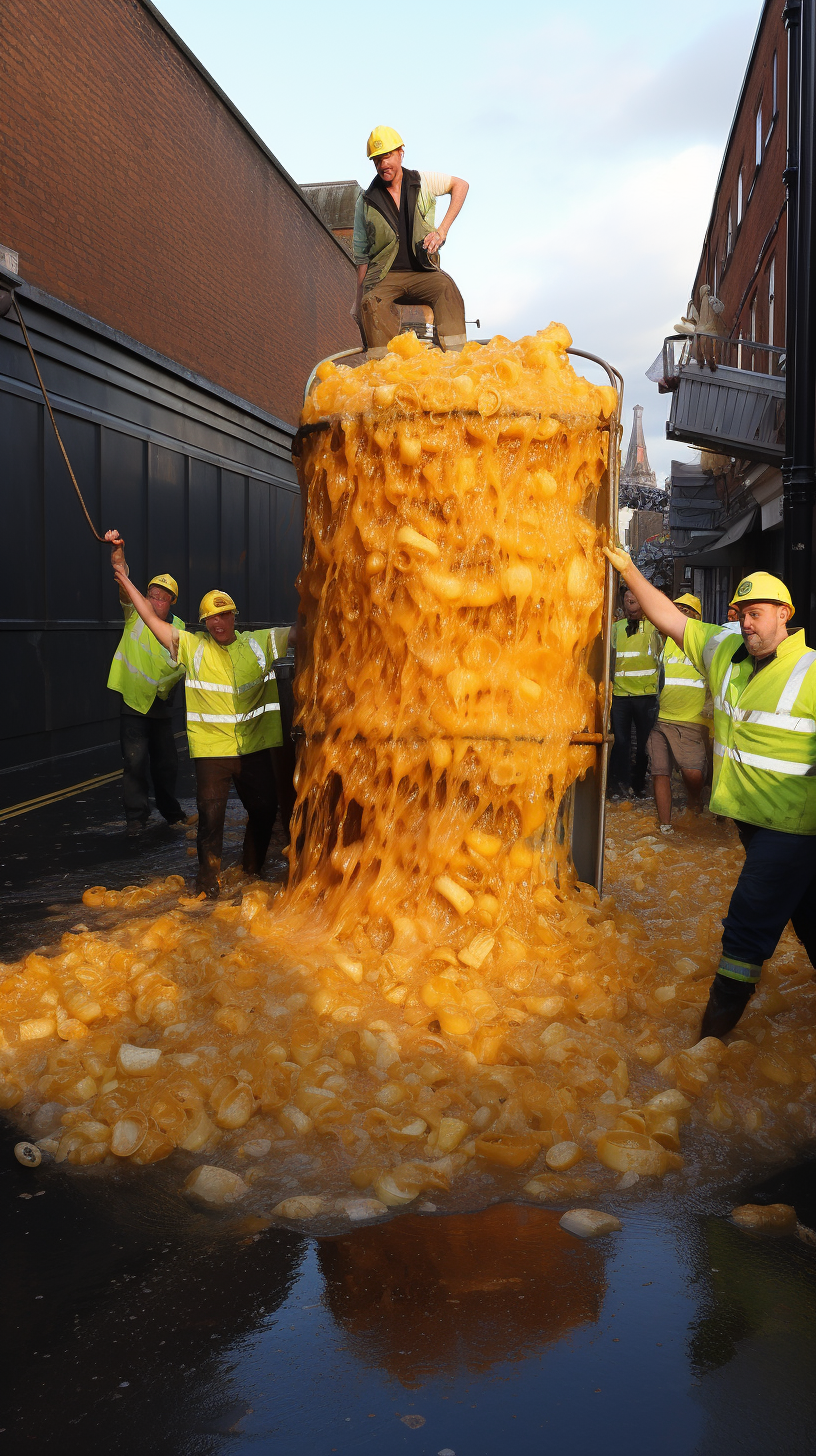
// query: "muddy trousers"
[[148, 743], [255, 786], [380, 315], [777, 884]]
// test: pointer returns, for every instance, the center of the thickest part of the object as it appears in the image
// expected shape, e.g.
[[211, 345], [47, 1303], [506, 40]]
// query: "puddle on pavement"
[[133, 1323]]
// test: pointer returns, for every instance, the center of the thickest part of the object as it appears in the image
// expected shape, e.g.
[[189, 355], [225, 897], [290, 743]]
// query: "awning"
[[734, 532]]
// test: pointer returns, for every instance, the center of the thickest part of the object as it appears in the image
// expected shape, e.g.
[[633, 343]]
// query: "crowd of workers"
[[761, 680]]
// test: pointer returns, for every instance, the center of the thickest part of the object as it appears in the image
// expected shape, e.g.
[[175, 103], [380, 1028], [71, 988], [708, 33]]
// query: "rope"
[[53, 421]]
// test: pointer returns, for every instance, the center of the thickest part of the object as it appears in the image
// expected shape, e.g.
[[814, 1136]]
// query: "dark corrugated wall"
[[199, 484]]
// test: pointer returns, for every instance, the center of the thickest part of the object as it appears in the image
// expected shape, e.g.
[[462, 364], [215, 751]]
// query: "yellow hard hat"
[[761, 587], [166, 581], [214, 602], [383, 139], [687, 600]]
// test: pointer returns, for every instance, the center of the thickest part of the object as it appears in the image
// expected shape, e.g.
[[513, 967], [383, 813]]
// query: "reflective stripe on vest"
[[239, 678], [142, 669], [765, 757], [637, 647], [684, 693], [761, 760]]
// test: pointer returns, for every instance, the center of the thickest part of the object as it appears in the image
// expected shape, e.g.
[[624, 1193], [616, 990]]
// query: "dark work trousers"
[[380, 314], [625, 711], [255, 786], [283, 767], [777, 884], [148, 741]]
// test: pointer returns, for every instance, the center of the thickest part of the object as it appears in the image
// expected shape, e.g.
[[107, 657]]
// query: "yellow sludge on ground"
[[432, 1002]]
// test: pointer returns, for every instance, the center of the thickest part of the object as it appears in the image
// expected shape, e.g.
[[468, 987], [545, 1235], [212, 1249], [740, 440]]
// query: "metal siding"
[[234, 540], [165, 496], [167, 514], [287, 555], [124, 504], [22, 568], [72, 556], [204, 536], [259, 604]]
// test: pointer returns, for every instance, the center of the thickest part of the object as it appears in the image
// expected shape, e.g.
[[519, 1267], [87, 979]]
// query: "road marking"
[[44, 800], [29, 804]]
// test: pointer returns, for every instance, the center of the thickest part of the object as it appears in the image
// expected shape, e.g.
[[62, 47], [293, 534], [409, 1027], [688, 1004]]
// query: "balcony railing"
[[728, 395]]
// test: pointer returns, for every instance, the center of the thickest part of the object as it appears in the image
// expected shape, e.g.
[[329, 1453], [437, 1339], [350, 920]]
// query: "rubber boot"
[[727, 999]]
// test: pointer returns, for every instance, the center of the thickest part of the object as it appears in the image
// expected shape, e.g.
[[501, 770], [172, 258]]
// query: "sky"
[[591, 136]]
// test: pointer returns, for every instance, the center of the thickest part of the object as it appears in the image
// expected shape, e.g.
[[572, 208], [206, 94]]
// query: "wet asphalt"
[[132, 1323]]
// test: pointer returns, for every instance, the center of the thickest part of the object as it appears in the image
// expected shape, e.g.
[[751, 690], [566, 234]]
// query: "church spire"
[[637, 472]]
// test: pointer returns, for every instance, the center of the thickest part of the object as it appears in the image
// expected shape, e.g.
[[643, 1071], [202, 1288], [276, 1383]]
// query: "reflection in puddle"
[[428, 1295]]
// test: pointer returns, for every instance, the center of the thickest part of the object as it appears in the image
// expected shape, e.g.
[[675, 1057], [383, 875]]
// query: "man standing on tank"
[[396, 247]]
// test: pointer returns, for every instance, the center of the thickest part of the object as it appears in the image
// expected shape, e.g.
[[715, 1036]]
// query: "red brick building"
[[726, 516], [133, 190], [178, 288], [743, 254]]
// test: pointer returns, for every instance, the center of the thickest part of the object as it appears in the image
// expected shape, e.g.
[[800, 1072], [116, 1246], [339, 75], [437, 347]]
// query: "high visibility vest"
[[142, 669], [764, 729], [684, 692], [231, 693], [637, 664]]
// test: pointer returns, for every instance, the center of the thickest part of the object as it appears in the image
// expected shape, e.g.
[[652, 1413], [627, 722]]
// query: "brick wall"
[[131, 191], [758, 240]]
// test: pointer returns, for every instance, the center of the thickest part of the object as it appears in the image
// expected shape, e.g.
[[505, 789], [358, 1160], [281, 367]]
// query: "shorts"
[[682, 744]]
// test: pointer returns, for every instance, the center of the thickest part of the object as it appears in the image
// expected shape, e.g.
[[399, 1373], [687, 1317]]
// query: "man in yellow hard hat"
[[396, 246], [764, 688], [679, 738], [233, 719], [143, 673]]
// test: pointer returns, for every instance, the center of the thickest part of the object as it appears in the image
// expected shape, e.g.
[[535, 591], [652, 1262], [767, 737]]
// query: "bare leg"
[[693, 780], [661, 785]]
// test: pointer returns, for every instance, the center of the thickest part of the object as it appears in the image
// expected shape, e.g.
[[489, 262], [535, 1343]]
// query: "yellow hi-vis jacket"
[[231, 693], [637, 660], [764, 729], [684, 692], [142, 669]]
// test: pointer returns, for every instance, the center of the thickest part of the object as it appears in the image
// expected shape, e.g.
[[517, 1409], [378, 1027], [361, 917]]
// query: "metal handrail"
[[712, 351], [613, 468]]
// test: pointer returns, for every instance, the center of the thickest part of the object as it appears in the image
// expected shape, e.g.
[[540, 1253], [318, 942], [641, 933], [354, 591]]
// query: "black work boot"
[[727, 999]]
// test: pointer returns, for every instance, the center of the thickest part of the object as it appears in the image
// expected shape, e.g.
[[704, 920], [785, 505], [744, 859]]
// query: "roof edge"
[[31, 293], [239, 117]]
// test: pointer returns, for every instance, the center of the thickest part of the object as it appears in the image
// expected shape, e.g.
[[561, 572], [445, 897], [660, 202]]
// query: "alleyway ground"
[[141, 1325]]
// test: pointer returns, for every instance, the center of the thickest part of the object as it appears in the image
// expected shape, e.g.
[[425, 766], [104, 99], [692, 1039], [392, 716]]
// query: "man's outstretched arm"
[[162, 631], [666, 617]]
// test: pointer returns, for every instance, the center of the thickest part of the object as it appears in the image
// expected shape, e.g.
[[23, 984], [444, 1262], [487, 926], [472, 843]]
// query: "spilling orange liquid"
[[432, 999]]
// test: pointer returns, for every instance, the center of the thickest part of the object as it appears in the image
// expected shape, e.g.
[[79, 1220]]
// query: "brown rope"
[[53, 421]]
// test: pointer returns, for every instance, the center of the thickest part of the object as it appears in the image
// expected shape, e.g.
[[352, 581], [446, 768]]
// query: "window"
[[714, 288], [753, 329], [775, 82], [739, 197], [729, 235], [759, 135], [771, 284]]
